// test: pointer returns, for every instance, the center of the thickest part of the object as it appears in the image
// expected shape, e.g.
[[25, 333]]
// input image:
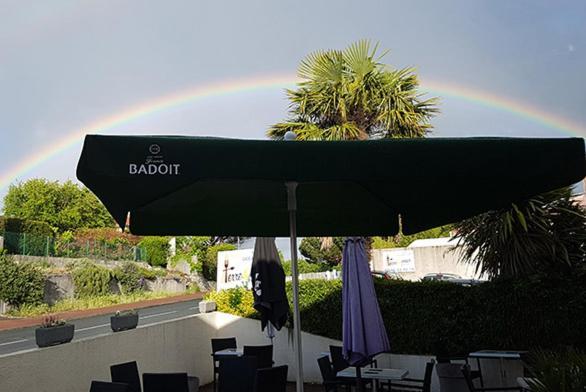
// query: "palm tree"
[[349, 95], [543, 236]]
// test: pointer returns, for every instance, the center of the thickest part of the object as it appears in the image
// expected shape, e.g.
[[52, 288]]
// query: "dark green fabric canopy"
[[176, 185]]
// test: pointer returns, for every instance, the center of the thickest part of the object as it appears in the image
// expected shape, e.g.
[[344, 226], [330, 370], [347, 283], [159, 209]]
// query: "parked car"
[[441, 276], [387, 275], [452, 278]]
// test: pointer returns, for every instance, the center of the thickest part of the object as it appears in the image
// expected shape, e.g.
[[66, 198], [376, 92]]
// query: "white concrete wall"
[[181, 345]]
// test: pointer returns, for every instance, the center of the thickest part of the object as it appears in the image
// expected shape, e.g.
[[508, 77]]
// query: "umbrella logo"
[[154, 149], [257, 288]]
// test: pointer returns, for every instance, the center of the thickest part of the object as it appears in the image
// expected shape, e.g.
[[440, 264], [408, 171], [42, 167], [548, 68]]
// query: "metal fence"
[[47, 246]]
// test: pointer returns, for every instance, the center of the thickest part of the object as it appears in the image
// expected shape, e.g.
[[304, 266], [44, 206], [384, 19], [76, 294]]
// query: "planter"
[[52, 336], [207, 306], [123, 322]]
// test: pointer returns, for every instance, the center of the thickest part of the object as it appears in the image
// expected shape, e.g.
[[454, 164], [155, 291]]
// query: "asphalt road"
[[23, 339]]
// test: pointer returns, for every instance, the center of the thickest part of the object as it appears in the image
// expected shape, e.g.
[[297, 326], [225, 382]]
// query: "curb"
[[18, 323]]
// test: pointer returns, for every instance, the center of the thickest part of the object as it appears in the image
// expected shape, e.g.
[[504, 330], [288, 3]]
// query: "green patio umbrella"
[[210, 186]]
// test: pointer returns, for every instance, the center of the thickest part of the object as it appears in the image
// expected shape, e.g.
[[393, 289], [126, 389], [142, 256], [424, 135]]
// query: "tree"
[[545, 235], [65, 206], [349, 95]]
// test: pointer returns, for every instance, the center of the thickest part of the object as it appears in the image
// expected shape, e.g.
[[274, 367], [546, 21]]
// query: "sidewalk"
[[15, 323]]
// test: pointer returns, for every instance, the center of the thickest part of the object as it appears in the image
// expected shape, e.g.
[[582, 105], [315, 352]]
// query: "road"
[[23, 339]]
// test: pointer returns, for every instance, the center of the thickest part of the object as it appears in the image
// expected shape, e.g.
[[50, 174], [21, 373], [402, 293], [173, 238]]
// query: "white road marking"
[[13, 342], [94, 327], [193, 307], [158, 314]]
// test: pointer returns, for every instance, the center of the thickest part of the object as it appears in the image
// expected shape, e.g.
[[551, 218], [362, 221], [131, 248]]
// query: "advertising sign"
[[233, 268], [399, 260]]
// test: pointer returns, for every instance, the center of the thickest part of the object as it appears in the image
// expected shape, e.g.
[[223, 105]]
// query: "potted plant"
[[122, 321], [53, 331]]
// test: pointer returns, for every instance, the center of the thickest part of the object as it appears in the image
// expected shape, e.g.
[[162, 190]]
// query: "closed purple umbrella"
[[363, 331]]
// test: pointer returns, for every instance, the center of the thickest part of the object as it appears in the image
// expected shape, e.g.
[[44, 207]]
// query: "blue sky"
[[67, 64]]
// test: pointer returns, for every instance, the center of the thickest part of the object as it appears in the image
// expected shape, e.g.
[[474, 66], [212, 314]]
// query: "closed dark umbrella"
[[268, 284], [363, 330], [209, 186]]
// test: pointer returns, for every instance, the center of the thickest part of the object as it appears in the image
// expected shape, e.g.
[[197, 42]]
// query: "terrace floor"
[[290, 387]]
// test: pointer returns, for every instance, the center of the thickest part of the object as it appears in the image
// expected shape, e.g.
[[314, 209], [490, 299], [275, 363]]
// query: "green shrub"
[[22, 236], [156, 250], [209, 260], [91, 280], [130, 277], [445, 318], [236, 301], [20, 283], [311, 249], [305, 267]]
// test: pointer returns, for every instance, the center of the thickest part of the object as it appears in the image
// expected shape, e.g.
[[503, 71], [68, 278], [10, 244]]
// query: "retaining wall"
[[181, 345]]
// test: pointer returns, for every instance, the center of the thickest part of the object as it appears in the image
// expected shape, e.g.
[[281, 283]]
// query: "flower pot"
[[123, 322], [51, 336]]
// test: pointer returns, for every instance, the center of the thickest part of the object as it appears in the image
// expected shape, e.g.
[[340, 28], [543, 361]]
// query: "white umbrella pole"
[[292, 207]]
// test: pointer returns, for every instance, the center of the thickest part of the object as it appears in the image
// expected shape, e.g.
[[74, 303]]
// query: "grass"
[[88, 303]]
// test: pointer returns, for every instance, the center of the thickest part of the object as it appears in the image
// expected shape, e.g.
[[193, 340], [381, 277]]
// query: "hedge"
[[20, 283], [445, 318], [26, 236], [156, 250]]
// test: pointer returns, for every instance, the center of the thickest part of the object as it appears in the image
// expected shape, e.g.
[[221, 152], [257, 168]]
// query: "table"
[[496, 354], [229, 352], [375, 374]]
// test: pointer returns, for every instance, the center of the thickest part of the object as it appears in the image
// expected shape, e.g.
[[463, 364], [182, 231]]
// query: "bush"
[[444, 318], [209, 260], [105, 243], [237, 301], [91, 280], [305, 267], [156, 250], [311, 249], [20, 283], [130, 277], [22, 236]]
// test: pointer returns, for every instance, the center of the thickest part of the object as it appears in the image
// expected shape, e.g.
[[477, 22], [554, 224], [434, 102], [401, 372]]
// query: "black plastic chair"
[[272, 379], [127, 373], [263, 354], [413, 384], [165, 382], [220, 344], [339, 362], [468, 377], [102, 386], [463, 360], [237, 374], [330, 381]]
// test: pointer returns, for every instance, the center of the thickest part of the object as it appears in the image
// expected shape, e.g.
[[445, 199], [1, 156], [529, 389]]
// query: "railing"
[[35, 245]]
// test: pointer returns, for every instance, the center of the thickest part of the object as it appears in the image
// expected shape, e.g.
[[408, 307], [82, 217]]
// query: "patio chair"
[[102, 386], [220, 344], [413, 384], [127, 373], [339, 362], [330, 381], [272, 379], [471, 388], [237, 374], [462, 360], [263, 354], [165, 382], [451, 378]]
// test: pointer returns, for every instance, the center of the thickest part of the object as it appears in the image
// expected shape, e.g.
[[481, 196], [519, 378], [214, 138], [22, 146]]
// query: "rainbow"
[[257, 83]]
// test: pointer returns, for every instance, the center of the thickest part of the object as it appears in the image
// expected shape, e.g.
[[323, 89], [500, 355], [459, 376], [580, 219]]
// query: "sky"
[[68, 68]]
